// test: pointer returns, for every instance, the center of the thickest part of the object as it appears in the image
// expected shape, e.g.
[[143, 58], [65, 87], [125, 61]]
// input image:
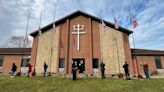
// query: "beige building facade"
[[80, 38]]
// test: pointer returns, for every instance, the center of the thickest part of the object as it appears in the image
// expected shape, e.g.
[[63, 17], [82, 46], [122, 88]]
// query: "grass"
[[59, 84]]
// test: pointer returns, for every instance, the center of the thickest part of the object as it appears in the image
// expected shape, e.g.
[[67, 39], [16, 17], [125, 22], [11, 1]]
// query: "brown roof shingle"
[[15, 51], [144, 52]]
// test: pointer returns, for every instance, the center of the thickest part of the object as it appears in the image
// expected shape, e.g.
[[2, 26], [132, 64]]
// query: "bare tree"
[[17, 42]]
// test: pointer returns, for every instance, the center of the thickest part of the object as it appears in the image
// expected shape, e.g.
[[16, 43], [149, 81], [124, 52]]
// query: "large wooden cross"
[[78, 27]]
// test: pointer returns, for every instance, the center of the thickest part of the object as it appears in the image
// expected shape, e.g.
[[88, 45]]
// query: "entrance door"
[[80, 64]]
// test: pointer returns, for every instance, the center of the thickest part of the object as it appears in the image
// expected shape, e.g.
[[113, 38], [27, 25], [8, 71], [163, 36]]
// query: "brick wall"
[[8, 60]]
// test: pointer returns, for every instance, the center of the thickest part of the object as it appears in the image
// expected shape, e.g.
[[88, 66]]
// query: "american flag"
[[133, 20], [134, 23]]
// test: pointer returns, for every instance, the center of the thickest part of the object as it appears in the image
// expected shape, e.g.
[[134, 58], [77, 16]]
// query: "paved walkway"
[[157, 76]]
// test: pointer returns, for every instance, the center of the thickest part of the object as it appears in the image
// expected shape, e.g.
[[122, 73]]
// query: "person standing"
[[14, 69], [73, 71], [29, 69], [45, 69], [102, 65], [125, 66], [146, 69]]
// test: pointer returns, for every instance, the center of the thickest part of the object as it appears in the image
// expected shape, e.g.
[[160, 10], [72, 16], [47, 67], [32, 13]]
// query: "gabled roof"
[[15, 51], [145, 52], [74, 14]]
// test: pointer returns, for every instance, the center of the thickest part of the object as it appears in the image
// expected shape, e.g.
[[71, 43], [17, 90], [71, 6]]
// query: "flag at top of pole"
[[134, 22]]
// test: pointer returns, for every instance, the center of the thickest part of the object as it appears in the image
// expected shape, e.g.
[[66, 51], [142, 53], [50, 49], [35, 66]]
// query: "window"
[[158, 62], [61, 63], [25, 61], [95, 63], [1, 60]]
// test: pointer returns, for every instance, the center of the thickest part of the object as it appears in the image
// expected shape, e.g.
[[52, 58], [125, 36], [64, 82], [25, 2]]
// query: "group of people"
[[102, 65], [74, 70], [145, 68], [14, 69], [125, 66], [126, 70]]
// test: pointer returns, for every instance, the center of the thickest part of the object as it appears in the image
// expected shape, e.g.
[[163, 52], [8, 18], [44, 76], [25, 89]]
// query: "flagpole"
[[25, 38], [139, 76], [51, 42], [100, 26], [113, 39], [100, 29], [39, 33], [118, 56]]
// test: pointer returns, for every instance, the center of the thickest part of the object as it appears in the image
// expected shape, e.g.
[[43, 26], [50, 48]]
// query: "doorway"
[[80, 64]]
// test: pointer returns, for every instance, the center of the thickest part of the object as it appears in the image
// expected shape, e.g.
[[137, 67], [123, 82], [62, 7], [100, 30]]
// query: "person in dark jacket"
[[102, 65], [14, 69], [125, 66], [73, 71], [45, 69]]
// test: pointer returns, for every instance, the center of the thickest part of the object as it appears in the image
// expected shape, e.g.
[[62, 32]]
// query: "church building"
[[86, 40], [81, 38]]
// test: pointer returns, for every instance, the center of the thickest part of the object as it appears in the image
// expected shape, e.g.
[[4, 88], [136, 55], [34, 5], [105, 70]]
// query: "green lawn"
[[58, 84]]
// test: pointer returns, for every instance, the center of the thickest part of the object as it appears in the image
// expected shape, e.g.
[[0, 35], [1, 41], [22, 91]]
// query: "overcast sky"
[[149, 14]]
